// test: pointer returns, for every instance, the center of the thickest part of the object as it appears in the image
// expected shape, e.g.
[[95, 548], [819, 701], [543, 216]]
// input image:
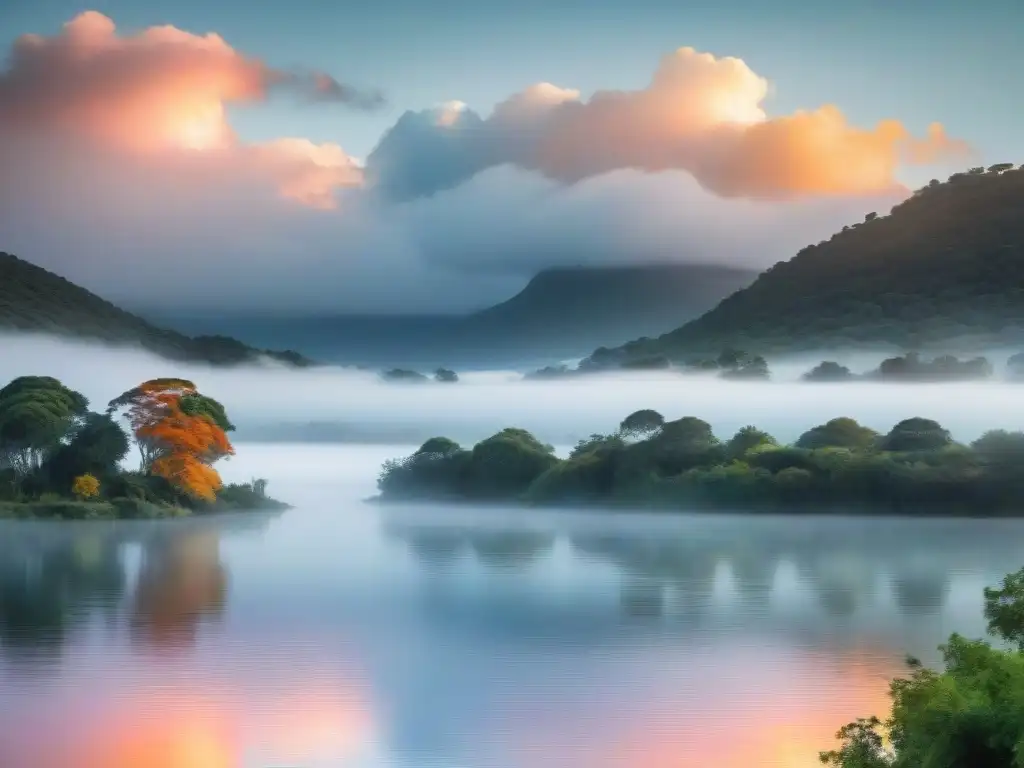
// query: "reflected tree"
[[52, 583], [182, 582], [921, 593], [510, 549]]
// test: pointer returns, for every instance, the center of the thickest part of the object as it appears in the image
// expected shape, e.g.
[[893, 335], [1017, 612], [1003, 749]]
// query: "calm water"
[[339, 634]]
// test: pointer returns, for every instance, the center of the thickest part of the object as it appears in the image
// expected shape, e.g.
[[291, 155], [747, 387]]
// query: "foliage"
[[911, 367], [36, 414], [188, 446], [968, 715], [85, 487], [747, 439], [52, 449], [641, 424], [403, 375], [946, 263], [34, 299], [837, 466], [1004, 609], [828, 371], [917, 434], [446, 376]]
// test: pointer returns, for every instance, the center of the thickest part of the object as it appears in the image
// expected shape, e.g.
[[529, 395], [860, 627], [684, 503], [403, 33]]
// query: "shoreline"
[[120, 509], [788, 510]]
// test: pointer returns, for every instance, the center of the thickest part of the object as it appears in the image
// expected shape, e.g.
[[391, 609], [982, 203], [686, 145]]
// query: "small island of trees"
[[59, 459], [839, 466]]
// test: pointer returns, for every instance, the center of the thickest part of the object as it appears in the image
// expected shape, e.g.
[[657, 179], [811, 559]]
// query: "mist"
[[270, 402]]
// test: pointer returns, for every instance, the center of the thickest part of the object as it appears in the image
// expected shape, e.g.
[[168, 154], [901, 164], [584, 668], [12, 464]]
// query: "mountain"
[[562, 309], [34, 299], [945, 267], [561, 313]]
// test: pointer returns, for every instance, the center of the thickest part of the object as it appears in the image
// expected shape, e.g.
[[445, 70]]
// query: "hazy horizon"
[[260, 397]]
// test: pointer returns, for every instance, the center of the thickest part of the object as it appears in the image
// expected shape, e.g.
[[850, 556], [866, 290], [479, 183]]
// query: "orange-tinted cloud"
[[699, 114], [165, 91]]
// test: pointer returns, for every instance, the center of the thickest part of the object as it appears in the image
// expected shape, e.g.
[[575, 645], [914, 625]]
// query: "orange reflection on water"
[[175, 727], [743, 715], [180, 583], [767, 728]]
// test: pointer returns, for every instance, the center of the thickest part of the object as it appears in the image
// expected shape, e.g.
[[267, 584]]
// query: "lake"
[[345, 634]]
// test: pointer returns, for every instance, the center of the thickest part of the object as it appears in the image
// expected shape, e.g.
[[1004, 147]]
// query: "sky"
[[317, 157]]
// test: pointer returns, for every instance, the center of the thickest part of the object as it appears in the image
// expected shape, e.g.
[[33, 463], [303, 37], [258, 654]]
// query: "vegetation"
[[969, 715], [915, 467], [407, 376], [59, 459], [729, 364], [34, 299], [947, 263], [911, 368]]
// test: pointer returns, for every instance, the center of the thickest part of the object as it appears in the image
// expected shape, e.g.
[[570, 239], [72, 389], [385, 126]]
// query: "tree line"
[[649, 462]]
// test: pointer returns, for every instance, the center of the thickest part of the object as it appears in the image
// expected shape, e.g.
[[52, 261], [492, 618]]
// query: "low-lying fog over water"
[[341, 633], [344, 634], [271, 402]]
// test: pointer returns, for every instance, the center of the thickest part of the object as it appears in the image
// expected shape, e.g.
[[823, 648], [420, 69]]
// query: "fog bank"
[[270, 402]]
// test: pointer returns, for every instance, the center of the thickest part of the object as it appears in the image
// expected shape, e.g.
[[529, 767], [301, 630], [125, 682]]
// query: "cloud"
[[698, 114], [164, 91], [123, 173]]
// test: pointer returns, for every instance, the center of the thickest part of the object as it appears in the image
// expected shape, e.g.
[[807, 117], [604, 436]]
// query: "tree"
[[1000, 448], [828, 371], [916, 434], [97, 446], [188, 445], [438, 446], [641, 424], [446, 376], [969, 715], [85, 487], [1000, 167], [36, 414], [145, 406], [870, 216], [747, 439], [842, 432], [1004, 609]]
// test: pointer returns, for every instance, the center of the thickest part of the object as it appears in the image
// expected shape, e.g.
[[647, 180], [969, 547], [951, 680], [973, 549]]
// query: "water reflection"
[[50, 585], [434, 638], [56, 579], [181, 582]]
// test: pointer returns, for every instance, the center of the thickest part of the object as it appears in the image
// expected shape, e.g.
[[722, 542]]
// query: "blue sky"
[[959, 63]]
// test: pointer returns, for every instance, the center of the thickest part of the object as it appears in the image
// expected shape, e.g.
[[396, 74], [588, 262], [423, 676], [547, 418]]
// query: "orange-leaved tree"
[[145, 406], [181, 433]]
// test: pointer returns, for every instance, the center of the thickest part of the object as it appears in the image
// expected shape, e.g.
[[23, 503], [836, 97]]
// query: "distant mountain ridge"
[[33, 299], [561, 313], [946, 266]]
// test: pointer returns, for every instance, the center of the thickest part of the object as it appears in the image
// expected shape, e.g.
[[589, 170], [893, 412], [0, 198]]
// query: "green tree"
[[842, 432], [446, 376], [36, 414], [1004, 609], [828, 371], [641, 424], [916, 434], [195, 404], [746, 439], [97, 446], [969, 715]]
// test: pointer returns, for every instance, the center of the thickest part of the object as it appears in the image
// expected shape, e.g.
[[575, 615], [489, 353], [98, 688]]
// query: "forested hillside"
[[946, 265], [34, 299]]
